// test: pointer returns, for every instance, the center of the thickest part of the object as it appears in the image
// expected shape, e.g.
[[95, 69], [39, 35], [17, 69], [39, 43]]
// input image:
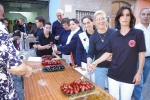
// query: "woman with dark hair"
[[127, 44], [83, 41], [44, 39], [83, 44], [71, 44], [64, 36], [98, 43]]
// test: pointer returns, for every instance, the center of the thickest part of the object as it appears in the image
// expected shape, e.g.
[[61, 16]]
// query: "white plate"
[[37, 59]]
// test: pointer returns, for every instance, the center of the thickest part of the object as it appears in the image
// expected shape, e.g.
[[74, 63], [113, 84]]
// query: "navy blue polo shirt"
[[125, 51], [63, 37], [97, 48], [56, 29], [38, 32], [42, 40]]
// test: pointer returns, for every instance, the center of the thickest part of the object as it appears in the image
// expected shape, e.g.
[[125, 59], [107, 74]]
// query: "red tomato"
[[75, 81], [69, 86], [87, 83], [79, 81], [62, 85], [83, 88], [91, 86], [65, 90], [66, 86], [74, 87], [83, 83], [71, 83], [77, 88], [71, 91], [75, 91], [88, 86], [80, 86], [68, 92]]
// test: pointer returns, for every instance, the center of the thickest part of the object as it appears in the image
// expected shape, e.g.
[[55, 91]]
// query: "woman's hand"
[[35, 46], [55, 50], [29, 72], [47, 46], [94, 64], [89, 67], [137, 79]]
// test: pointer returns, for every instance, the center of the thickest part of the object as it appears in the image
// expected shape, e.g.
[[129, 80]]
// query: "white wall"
[[45, 13], [35, 8], [30, 16], [14, 16]]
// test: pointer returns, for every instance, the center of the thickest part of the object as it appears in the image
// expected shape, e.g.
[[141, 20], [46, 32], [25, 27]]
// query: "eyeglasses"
[[100, 19]]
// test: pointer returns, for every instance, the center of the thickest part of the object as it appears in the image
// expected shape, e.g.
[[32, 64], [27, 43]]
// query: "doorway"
[[115, 6]]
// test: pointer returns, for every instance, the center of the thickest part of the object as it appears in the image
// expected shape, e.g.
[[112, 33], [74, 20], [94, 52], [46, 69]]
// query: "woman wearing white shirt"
[[71, 43]]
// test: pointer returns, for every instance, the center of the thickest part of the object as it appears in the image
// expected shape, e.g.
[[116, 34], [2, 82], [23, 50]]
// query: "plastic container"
[[94, 95], [53, 68], [80, 93]]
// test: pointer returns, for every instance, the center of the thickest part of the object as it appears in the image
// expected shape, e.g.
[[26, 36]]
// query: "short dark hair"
[[87, 16], [47, 23], [30, 23], [65, 20], [143, 9], [40, 19], [75, 20], [119, 14]]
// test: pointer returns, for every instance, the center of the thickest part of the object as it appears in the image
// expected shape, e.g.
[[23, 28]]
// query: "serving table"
[[46, 85]]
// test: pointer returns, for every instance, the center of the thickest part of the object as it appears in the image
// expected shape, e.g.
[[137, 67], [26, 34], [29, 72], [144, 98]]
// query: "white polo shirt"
[[147, 37]]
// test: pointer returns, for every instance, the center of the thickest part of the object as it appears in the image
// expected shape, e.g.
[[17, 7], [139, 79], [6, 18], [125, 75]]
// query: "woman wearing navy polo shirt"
[[71, 43], [43, 40], [127, 46], [64, 36], [99, 41]]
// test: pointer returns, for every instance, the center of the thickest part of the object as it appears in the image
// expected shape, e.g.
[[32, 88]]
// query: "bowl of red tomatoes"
[[76, 87]]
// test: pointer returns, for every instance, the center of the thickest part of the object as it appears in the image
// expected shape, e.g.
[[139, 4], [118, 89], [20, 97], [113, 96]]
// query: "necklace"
[[102, 39]]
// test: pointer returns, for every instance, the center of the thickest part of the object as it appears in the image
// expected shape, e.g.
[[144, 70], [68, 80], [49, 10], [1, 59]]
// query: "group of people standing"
[[122, 55]]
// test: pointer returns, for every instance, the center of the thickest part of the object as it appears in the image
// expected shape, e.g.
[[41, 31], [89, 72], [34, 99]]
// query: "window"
[[80, 14]]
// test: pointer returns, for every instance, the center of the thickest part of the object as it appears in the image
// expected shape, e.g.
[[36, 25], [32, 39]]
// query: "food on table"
[[53, 68], [48, 57], [94, 97], [77, 86], [49, 60]]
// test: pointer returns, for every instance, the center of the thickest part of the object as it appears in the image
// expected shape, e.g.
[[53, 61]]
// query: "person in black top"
[[57, 26], [16, 33], [99, 41], [127, 46], [39, 20], [23, 26], [44, 39]]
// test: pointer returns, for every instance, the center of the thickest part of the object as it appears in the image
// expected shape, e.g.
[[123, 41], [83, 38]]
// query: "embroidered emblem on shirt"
[[132, 43], [84, 39]]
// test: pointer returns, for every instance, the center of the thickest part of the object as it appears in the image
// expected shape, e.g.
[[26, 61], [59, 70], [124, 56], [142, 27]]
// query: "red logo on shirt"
[[132, 43]]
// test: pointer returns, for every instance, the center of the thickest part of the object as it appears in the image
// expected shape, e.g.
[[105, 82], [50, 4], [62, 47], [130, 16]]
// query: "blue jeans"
[[138, 88], [100, 76]]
